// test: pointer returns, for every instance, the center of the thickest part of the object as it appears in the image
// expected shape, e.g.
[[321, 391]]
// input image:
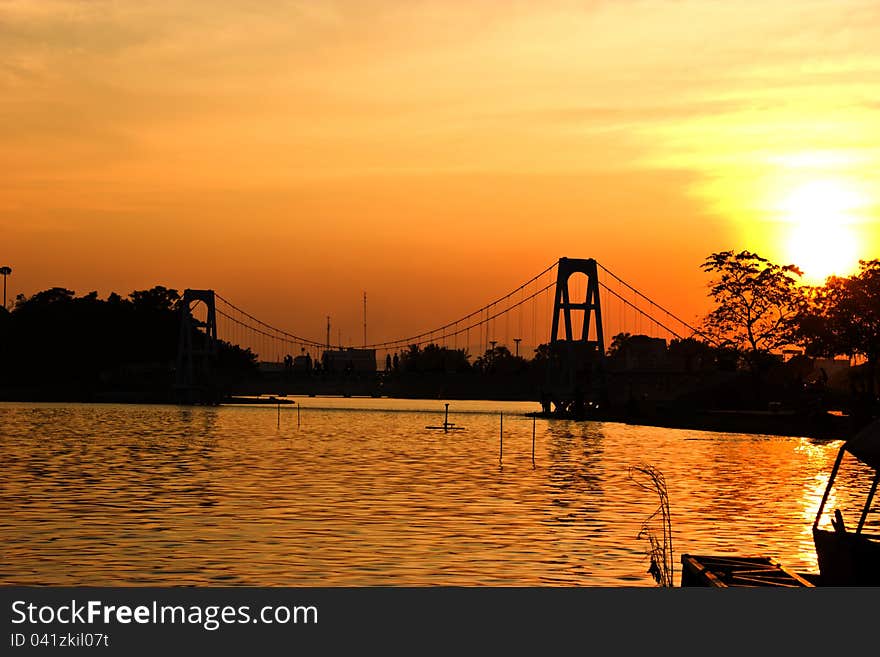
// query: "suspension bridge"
[[572, 306]]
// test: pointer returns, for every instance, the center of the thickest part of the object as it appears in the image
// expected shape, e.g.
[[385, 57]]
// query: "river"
[[358, 492]]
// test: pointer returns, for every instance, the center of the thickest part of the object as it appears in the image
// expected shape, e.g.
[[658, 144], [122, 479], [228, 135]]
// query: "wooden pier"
[[735, 571]]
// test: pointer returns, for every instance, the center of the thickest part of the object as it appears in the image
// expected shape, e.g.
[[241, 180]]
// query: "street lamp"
[[5, 271], [517, 341]]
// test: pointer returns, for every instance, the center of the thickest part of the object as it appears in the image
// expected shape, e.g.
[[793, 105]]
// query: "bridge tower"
[[196, 350], [576, 377], [591, 304]]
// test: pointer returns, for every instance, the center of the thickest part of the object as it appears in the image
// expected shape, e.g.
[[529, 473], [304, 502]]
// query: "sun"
[[822, 240], [821, 252]]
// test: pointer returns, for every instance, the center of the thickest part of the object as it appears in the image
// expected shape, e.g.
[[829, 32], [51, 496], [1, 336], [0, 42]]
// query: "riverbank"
[[822, 425], [819, 425]]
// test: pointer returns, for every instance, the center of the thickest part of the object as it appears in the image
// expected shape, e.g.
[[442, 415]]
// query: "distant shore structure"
[[5, 271]]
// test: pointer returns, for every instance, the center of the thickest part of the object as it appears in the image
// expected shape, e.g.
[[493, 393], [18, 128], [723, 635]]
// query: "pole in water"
[[500, 437], [297, 416], [533, 439], [446, 420], [279, 415]]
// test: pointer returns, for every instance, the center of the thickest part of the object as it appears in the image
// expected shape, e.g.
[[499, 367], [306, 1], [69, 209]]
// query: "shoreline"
[[817, 425]]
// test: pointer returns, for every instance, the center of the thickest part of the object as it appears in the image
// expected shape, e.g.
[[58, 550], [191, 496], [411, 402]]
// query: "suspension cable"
[[694, 331], [417, 339], [640, 311]]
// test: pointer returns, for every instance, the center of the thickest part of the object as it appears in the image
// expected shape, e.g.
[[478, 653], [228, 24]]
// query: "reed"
[[660, 551]]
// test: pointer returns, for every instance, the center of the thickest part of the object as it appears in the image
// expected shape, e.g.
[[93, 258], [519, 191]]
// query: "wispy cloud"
[[235, 95]]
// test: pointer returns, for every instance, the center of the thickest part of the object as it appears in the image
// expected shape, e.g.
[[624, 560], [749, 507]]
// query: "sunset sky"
[[292, 155]]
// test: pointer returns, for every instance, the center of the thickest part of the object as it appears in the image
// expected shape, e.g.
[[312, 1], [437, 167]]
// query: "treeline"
[[762, 308], [436, 359], [55, 344], [435, 370]]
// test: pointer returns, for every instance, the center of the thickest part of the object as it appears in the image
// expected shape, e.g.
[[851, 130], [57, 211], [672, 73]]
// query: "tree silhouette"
[[618, 343], [157, 299], [54, 344], [843, 317], [433, 358], [499, 360], [758, 304]]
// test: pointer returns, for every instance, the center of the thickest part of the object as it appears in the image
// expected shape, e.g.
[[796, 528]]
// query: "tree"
[[75, 346], [618, 344], [44, 299], [843, 317], [434, 358], [498, 360], [157, 299], [758, 304]]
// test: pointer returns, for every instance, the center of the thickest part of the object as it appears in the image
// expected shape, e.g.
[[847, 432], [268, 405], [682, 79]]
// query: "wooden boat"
[[851, 556], [730, 571], [846, 556]]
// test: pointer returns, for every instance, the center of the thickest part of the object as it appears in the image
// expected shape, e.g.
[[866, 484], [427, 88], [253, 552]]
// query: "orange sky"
[[435, 154]]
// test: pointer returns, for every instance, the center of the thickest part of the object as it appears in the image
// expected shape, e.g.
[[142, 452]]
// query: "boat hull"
[[847, 558]]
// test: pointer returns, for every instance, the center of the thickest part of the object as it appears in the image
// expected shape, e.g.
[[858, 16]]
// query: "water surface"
[[359, 492]]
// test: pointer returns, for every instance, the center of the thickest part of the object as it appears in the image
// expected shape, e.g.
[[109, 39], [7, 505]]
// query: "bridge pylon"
[[196, 350], [576, 377]]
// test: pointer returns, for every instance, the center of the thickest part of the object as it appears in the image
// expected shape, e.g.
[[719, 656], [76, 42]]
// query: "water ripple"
[[361, 493]]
